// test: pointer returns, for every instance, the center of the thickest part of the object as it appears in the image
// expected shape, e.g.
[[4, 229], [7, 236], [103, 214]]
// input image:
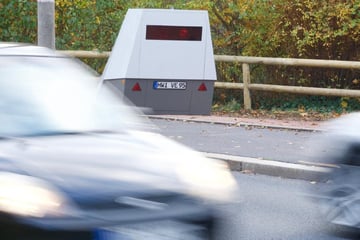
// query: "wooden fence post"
[[246, 81]]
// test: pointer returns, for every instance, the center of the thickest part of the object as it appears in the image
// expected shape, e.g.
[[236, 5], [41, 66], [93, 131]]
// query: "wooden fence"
[[247, 86]]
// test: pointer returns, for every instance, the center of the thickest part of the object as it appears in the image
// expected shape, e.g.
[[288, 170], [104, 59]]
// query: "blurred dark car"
[[339, 147], [76, 162]]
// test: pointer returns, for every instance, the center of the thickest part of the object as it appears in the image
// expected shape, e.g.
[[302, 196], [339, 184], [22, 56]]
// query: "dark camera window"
[[177, 33]]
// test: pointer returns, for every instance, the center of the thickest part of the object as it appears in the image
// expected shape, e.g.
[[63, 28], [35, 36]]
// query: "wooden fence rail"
[[246, 86]]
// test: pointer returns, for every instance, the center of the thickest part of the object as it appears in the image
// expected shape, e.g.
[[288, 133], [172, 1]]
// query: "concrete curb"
[[273, 168]]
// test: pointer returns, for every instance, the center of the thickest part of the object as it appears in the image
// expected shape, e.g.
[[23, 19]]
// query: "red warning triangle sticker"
[[202, 87], [136, 87]]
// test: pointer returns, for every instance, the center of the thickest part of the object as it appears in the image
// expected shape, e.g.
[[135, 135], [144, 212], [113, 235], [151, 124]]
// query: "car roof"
[[26, 49]]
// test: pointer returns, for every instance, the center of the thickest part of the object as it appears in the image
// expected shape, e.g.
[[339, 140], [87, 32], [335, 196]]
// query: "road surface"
[[275, 208], [264, 143]]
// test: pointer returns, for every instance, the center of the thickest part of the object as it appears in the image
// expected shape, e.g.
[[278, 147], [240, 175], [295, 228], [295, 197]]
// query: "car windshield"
[[55, 95]]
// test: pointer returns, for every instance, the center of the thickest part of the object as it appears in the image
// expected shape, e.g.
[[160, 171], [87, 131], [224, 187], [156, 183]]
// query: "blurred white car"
[[76, 162]]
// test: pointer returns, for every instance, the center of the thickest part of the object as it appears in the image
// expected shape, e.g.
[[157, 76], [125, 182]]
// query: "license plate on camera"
[[160, 230], [158, 85]]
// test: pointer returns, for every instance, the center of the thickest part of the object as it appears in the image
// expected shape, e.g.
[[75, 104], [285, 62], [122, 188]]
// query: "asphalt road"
[[266, 207], [275, 208], [273, 144]]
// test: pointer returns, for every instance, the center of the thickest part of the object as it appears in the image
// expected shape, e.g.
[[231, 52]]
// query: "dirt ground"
[[284, 119], [280, 115]]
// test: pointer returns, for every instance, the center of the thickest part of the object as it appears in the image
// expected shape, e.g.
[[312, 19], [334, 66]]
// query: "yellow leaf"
[[344, 104]]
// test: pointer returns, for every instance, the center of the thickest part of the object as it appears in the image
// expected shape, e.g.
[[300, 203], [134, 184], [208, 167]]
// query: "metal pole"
[[46, 23]]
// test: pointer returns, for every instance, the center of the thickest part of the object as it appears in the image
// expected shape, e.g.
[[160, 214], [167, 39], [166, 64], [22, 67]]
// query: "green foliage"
[[231, 106], [18, 21], [277, 28], [322, 29], [321, 104], [88, 25]]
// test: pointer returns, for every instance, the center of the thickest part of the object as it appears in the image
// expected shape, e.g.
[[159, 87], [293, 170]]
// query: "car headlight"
[[208, 178], [29, 196]]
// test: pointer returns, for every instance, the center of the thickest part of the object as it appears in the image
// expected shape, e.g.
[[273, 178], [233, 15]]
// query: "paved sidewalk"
[[306, 171], [239, 121]]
